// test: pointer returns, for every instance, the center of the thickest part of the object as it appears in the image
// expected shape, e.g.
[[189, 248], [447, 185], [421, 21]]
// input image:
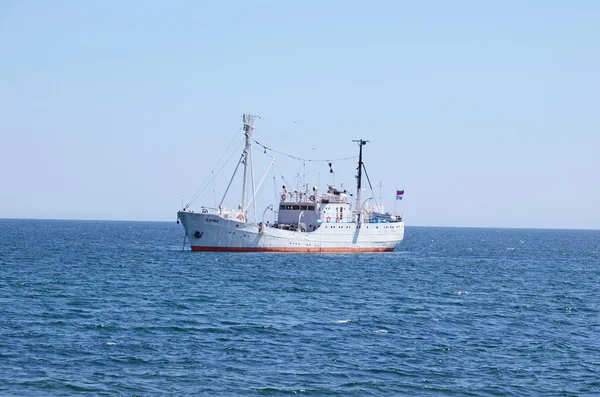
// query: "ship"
[[334, 221]]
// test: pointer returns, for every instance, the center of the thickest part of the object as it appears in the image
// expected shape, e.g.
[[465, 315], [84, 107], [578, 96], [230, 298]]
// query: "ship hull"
[[211, 232]]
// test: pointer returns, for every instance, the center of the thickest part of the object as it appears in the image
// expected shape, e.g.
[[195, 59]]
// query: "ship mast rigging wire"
[[299, 158], [368, 180], [206, 181], [210, 179]]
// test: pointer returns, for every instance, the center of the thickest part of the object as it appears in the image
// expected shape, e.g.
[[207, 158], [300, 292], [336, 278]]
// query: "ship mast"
[[248, 127], [361, 143]]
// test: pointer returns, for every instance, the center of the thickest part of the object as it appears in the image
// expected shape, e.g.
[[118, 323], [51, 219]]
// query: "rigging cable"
[[299, 158], [206, 183], [201, 189], [368, 180], [281, 175]]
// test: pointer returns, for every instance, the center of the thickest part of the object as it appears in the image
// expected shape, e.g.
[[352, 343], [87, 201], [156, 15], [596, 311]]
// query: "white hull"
[[211, 232]]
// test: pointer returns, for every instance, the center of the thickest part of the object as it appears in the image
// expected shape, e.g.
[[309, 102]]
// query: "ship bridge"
[[298, 211]]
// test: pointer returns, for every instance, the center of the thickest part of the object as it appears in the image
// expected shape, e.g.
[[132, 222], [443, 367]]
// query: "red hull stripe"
[[287, 249]]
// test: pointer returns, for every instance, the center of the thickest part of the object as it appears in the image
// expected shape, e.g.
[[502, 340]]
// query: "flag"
[[399, 194]]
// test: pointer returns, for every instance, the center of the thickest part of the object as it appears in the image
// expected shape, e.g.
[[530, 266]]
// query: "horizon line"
[[436, 226]]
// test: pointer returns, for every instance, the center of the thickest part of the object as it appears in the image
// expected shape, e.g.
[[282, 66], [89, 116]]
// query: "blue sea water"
[[118, 309]]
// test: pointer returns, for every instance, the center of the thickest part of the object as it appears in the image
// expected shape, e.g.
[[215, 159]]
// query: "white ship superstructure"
[[306, 222]]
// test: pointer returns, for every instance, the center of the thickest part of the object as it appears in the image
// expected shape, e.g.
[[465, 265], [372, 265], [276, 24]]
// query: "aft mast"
[[361, 143], [248, 127]]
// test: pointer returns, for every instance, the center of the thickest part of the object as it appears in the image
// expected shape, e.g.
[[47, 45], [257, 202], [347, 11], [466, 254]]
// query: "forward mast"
[[248, 128]]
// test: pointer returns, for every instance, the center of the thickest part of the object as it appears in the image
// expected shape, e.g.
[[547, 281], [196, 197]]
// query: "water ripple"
[[116, 308]]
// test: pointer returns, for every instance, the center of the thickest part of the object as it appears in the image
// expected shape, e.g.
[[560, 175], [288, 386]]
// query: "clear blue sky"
[[486, 113]]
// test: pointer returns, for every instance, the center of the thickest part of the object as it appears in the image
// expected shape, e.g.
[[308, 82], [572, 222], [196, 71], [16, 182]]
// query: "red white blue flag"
[[399, 194]]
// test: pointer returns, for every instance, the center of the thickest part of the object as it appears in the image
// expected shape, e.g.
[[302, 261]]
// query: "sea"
[[125, 309]]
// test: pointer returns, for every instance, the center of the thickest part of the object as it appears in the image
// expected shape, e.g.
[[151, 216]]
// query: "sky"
[[485, 113]]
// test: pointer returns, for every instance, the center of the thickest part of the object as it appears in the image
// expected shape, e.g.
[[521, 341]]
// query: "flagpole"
[[395, 201]]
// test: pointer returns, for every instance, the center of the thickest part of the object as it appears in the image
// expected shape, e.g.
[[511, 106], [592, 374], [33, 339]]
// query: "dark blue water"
[[116, 308]]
